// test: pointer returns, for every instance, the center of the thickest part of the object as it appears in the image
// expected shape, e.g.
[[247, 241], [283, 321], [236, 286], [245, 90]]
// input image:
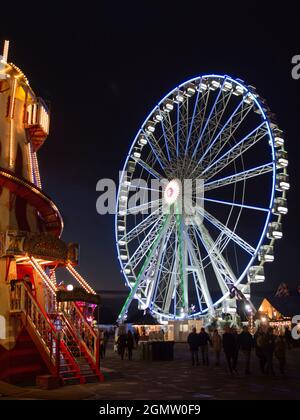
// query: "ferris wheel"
[[183, 261]]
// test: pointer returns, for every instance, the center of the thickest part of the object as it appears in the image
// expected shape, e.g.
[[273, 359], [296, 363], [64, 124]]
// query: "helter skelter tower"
[[57, 337]]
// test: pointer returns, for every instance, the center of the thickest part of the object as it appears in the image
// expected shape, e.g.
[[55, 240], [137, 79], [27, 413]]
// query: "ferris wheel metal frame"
[[150, 249]]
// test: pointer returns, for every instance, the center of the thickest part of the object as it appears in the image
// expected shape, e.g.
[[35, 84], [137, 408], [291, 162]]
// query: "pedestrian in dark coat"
[[269, 350], [245, 344], [260, 343], [230, 349], [122, 343], [194, 346], [130, 344], [204, 339]]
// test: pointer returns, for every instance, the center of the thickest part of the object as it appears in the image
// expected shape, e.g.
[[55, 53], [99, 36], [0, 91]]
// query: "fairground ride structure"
[[198, 262], [43, 327]]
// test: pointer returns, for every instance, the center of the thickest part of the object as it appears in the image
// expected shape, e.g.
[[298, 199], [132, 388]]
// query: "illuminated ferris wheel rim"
[[246, 92]]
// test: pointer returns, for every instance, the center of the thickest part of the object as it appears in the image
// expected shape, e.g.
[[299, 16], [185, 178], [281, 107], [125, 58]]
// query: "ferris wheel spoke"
[[192, 121], [140, 275], [166, 137], [236, 151], [199, 118], [182, 262], [223, 272], [149, 205], [215, 121], [198, 269], [171, 284], [140, 227], [198, 290], [227, 129], [228, 203], [148, 168], [163, 266], [226, 231], [212, 110], [158, 265], [157, 151], [146, 243], [241, 176]]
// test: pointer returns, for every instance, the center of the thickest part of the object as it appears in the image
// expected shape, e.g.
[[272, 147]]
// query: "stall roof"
[[141, 318], [288, 306]]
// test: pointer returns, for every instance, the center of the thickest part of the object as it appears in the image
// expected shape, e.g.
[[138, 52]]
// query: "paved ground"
[[129, 380]]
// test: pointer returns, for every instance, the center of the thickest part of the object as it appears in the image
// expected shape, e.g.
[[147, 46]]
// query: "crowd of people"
[[264, 343], [124, 344]]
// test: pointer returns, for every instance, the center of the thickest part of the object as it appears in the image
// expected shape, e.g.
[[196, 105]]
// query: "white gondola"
[[253, 90], [131, 166], [150, 127], [127, 271], [123, 198], [157, 116], [278, 140], [122, 242], [190, 90], [282, 182], [168, 105], [121, 228], [227, 86], [248, 99], [256, 274], [124, 257], [239, 90], [137, 155], [266, 253], [178, 97], [282, 159], [214, 84], [274, 230], [280, 206], [142, 141], [126, 183], [202, 87]]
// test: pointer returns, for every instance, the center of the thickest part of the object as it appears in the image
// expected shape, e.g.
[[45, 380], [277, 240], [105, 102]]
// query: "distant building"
[[277, 311]]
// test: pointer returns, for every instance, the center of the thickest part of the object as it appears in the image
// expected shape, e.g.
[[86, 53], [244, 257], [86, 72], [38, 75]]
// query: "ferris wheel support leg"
[[200, 275], [223, 272], [143, 269], [182, 262], [157, 270]]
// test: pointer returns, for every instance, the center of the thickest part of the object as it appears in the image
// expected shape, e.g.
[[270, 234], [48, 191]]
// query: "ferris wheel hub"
[[172, 192]]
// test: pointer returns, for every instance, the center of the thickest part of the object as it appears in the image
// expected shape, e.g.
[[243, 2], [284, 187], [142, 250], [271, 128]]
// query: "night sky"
[[104, 65]]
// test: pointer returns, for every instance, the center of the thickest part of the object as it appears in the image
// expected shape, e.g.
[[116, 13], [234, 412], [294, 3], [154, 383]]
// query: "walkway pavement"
[[136, 379]]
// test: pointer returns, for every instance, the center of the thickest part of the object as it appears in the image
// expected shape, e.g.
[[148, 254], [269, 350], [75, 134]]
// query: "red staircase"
[[70, 352]]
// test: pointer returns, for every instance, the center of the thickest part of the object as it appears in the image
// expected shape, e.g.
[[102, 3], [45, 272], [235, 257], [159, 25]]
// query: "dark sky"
[[104, 65]]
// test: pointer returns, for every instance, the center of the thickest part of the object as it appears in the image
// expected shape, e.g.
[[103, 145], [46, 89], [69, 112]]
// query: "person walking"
[[217, 346], [204, 339], [260, 343], [194, 346], [122, 343], [280, 352], [236, 349], [136, 337], [130, 344], [245, 344], [229, 347], [269, 350]]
